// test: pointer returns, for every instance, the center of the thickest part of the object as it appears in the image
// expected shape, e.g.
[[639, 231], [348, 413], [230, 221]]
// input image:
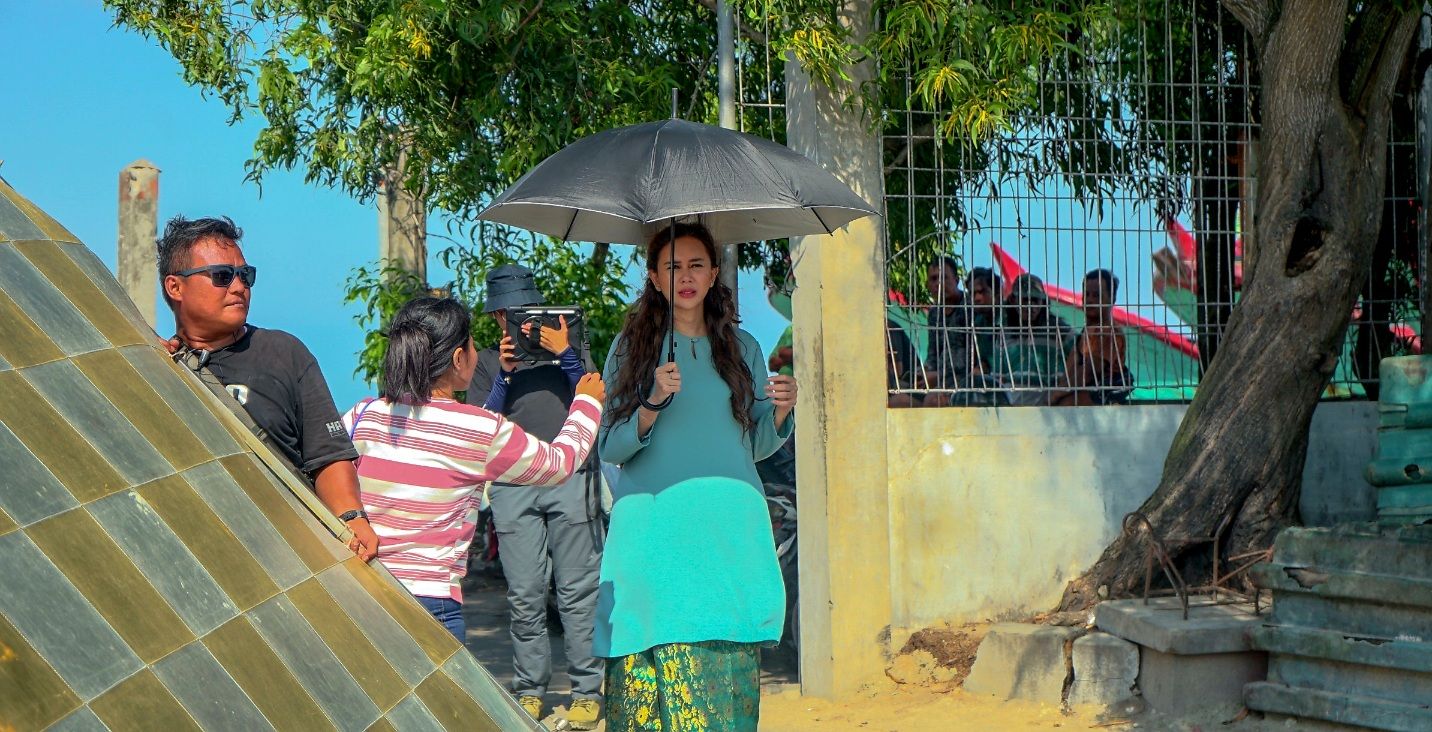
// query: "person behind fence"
[[208, 285], [986, 319], [1031, 358], [1098, 371], [902, 368], [691, 588], [948, 320], [425, 457], [968, 373], [543, 532]]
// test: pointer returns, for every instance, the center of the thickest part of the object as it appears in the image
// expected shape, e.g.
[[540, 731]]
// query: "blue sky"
[[83, 100]]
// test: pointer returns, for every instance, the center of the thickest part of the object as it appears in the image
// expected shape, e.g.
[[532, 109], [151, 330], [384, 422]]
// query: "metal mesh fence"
[[1090, 253]]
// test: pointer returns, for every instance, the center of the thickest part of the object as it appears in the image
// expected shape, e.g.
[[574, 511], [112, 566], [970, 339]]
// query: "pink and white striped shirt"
[[422, 470]]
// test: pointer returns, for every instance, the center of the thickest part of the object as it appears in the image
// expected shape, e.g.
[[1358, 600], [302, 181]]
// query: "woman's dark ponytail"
[[421, 340]]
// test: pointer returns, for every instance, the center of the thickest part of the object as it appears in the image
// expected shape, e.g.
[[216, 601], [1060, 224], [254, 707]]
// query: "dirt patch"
[[940, 654], [919, 668]]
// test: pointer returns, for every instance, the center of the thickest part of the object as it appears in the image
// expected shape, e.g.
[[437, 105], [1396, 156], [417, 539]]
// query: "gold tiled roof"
[[159, 568]]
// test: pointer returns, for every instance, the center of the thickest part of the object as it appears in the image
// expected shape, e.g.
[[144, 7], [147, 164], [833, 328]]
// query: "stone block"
[[1185, 684], [1106, 668], [1210, 628], [1023, 661]]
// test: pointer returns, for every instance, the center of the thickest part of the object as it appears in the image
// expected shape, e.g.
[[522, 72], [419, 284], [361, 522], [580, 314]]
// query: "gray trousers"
[[542, 533]]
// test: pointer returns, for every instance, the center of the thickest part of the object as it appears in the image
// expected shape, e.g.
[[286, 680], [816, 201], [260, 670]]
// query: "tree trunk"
[[1327, 88]]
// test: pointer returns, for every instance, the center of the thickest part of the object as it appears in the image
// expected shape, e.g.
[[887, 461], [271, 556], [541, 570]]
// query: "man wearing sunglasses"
[[207, 283]]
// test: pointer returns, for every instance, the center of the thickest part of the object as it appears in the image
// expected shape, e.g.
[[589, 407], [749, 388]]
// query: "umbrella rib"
[[573, 222], [816, 211]]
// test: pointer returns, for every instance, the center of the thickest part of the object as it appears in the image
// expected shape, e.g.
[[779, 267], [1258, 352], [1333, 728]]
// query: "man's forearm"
[[337, 486]]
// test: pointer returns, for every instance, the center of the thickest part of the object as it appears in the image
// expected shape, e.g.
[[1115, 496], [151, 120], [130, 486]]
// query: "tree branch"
[[1256, 16], [925, 133], [600, 252], [750, 33], [1375, 54]]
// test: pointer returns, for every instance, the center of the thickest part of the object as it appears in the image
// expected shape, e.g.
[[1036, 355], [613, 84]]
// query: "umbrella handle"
[[670, 307], [655, 407]]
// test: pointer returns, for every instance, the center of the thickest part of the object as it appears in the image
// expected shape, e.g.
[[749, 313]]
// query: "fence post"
[[138, 228], [726, 98]]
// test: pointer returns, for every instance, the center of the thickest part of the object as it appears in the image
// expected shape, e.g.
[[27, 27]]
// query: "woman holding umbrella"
[[690, 585]]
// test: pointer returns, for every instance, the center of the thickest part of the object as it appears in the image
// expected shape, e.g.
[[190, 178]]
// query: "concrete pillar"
[[402, 223], [726, 98], [138, 229], [839, 308]]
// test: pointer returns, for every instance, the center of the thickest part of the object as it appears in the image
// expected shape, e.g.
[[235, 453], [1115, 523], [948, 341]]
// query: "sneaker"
[[532, 705], [584, 714]]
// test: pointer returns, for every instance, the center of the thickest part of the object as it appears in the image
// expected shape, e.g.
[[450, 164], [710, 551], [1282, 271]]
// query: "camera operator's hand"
[[781, 390], [556, 339], [507, 354], [592, 385], [668, 382]]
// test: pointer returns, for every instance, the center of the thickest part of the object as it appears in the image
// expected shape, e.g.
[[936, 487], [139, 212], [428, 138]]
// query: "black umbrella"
[[623, 185]]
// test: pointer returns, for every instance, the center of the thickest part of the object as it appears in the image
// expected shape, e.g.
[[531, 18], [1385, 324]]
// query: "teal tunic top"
[[689, 554]]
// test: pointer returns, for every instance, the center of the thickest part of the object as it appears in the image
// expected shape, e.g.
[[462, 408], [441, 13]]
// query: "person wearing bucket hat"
[[511, 286], [543, 532], [1036, 342]]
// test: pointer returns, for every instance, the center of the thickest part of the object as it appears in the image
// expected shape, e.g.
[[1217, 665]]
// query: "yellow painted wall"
[[992, 511]]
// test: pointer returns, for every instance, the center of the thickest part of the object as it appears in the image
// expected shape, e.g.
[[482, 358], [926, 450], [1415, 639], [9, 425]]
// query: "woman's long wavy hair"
[[644, 335]]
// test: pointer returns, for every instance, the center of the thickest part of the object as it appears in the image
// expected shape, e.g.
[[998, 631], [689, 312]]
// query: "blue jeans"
[[448, 612]]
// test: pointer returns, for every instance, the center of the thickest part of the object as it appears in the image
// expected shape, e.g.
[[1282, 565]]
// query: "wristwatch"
[[356, 513]]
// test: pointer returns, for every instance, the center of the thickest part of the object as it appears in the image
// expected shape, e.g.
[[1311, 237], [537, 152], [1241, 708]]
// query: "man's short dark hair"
[[180, 236], [987, 276], [1108, 278], [948, 261]]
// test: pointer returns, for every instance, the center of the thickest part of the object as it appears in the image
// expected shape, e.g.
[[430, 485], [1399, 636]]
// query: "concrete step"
[[1334, 645], [1339, 708], [1357, 616], [1159, 625], [1187, 666], [1374, 682], [1363, 548], [1286, 580]]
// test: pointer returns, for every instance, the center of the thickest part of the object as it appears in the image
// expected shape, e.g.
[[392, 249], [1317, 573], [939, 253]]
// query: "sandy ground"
[[885, 706], [891, 707]]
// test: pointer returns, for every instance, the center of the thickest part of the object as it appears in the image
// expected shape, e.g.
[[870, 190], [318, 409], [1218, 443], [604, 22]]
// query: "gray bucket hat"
[[511, 286]]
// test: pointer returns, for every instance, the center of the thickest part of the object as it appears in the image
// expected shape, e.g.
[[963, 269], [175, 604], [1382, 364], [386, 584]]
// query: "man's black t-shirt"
[[279, 384], [538, 398]]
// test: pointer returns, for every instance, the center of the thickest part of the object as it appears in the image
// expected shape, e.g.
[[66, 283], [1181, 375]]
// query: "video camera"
[[529, 345]]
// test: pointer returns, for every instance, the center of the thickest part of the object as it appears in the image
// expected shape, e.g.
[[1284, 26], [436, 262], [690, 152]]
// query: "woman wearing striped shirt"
[[425, 458]]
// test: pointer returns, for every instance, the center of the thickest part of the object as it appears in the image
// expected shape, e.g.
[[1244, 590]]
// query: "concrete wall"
[[992, 511]]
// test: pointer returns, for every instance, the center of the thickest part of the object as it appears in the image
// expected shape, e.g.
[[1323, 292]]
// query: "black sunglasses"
[[222, 275]]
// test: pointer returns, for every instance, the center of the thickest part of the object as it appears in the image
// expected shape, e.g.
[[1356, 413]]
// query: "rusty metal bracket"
[[1137, 523], [1132, 523]]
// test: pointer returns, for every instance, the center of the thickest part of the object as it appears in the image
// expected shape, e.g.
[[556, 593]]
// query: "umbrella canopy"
[[623, 185]]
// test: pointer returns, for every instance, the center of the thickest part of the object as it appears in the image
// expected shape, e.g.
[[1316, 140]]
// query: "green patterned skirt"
[[685, 687]]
